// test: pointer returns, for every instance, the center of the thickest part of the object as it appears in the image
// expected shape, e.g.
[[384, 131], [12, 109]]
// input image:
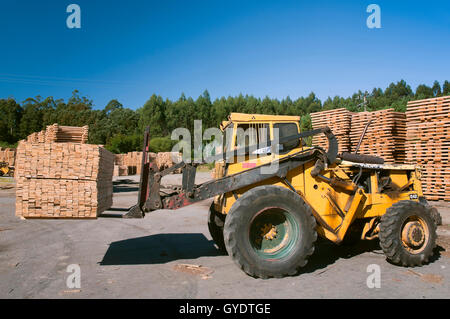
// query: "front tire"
[[270, 232], [407, 234], [215, 226]]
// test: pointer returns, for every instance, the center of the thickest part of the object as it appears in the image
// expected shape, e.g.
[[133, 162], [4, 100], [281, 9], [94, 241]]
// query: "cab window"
[[252, 134], [285, 130]]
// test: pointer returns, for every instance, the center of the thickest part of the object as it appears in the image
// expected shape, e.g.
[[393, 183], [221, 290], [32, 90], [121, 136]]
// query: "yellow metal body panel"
[[334, 208]]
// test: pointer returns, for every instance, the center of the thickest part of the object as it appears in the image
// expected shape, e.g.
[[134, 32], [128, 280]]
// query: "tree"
[[120, 143], [446, 88], [204, 110], [436, 89], [153, 114], [11, 113], [423, 92], [121, 128], [32, 117], [113, 105], [161, 144]]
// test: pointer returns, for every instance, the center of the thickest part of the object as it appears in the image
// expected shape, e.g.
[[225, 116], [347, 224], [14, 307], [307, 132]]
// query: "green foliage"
[[161, 144], [446, 88], [8, 145], [153, 114], [10, 114], [121, 129], [120, 143]]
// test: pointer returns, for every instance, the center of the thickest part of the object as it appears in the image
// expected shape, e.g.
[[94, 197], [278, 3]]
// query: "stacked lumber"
[[33, 138], [66, 134], [338, 120], [428, 144], [63, 160], [62, 198], [62, 180], [127, 164], [120, 170], [60, 134], [385, 137], [130, 163], [166, 160], [8, 155]]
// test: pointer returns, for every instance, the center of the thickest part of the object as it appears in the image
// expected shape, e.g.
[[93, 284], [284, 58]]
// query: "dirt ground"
[[170, 254]]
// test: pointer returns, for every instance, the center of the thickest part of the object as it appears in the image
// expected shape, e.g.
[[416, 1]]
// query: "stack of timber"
[[131, 163], [385, 136], [428, 144], [63, 180], [60, 134], [127, 164], [8, 155], [338, 121], [66, 134], [166, 160]]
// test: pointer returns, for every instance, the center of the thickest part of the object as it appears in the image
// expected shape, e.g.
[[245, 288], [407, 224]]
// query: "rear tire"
[[407, 234], [270, 232], [432, 210]]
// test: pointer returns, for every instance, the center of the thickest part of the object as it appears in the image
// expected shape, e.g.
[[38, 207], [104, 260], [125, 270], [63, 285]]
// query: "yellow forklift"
[[269, 209], [6, 170]]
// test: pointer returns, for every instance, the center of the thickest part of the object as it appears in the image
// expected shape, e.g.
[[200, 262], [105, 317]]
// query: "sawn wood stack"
[[63, 180], [385, 136], [60, 134], [428, 144], [130, 163], [338, 121]]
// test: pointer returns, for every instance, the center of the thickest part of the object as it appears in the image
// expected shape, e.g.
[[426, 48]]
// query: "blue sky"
[[129, 50]]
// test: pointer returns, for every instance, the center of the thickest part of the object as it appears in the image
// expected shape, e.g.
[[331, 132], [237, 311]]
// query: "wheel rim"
[[273, 233], [415, 234]]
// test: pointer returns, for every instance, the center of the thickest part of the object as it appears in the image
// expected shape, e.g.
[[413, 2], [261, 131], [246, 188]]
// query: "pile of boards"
[[428, 144], [421, 136], [60, 134], [131, 163], [127, 164], [339, 121], [385, 136], [8, 155], [63, 179]]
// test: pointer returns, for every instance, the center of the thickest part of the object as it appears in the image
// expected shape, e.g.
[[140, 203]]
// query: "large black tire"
[[435, 215], [432, 210], [407, 234], [292, 232], [216, 223]]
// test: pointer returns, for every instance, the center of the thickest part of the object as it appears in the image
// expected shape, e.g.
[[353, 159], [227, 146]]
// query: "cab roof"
[[243, 117]]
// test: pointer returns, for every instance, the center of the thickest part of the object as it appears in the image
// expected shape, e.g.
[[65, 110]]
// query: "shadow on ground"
[[125, 185], [164, 248], [159, 249], [327, 253]]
